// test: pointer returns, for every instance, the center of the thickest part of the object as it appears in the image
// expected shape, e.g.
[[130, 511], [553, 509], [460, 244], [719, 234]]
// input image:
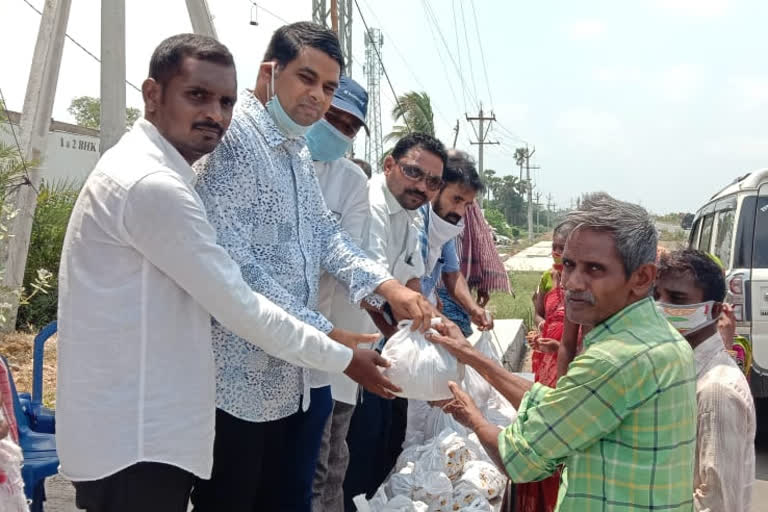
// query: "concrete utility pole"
[[481, 136], [549, 210], [200, 16], [112, 73], [528, 167], [34, 126], [456, 134], [538, 207], [35, 122]]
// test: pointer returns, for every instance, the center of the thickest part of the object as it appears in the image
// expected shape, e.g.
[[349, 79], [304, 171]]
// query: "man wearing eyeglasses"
[[412, 177]]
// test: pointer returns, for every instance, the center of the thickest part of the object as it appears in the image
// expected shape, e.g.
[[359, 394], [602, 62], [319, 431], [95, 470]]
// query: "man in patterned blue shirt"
[[261, 194]]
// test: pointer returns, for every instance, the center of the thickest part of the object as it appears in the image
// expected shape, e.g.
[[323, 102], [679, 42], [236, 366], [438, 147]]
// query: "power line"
[[469, 55], [430, 14], [402, 58], [27, 180], [381, 63], [276, 16], [458, 48], [482, 54], [79, 45], [444, 66]]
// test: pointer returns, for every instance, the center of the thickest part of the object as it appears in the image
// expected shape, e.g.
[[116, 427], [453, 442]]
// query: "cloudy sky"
[[660, 102]]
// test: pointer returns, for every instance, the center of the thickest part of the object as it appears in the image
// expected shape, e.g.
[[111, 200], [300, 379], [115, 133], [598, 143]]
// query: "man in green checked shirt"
[[622, 420]]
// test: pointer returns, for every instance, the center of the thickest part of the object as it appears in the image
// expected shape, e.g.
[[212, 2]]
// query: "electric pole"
[[482, 134], [456, 133], [538, 208], [549, 210], [529, 185]]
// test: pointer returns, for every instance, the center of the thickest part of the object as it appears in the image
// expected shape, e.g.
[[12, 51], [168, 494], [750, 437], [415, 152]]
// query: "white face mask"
[[285, 124], [688, 318]]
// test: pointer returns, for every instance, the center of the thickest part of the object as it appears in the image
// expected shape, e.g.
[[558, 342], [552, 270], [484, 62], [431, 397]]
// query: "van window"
[[706, 232], [742, 256], [694, 241], [760, 247], [724, 237]]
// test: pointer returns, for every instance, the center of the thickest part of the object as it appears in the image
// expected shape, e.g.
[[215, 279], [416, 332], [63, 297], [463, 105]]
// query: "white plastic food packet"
[[447, 453], [466, 495], [485, 477], [434, 489], [402, 482], [419, 367]]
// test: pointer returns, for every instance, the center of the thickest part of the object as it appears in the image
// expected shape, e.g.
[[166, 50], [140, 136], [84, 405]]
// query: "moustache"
[[581, 296], [209, 124], [415, 192]]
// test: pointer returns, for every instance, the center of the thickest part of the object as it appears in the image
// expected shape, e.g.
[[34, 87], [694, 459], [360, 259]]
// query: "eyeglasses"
[[414, 173]]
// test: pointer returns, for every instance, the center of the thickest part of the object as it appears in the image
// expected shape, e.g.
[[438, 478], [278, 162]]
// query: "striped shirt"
[[622, 420]]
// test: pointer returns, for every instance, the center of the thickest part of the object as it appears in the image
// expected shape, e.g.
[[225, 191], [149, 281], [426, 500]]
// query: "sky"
[[660, 102]]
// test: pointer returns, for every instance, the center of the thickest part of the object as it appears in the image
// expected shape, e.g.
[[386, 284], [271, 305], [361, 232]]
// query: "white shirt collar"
[[165, 153]]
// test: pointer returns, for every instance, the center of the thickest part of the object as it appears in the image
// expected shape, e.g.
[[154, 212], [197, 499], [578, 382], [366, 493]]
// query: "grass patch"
[[504, 305]]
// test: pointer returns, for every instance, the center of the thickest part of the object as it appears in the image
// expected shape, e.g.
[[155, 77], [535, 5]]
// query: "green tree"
[[87, 112], [413, 112]]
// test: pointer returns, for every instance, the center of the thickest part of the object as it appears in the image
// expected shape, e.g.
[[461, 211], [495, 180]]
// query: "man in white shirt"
[[690, 289], [345, 190], [141, 274], [412, 177]]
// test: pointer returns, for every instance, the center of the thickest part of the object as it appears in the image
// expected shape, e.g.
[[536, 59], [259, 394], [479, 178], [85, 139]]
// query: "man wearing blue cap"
[[345, 189]]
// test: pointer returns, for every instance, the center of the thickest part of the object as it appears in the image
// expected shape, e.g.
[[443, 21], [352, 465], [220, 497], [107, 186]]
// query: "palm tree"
[[414, 112]]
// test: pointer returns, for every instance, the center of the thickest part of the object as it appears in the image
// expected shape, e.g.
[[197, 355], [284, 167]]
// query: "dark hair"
[[563, 229], [288, 40], [365, 166], [460, 168], [167, 58], [422, 140], [707, 274]]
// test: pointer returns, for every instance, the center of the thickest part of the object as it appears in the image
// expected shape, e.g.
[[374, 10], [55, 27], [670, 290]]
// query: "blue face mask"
[[326, 142], [285, 124]]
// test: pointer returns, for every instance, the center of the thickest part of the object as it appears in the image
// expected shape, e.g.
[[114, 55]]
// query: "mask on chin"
[[285, 124], [689, 318]]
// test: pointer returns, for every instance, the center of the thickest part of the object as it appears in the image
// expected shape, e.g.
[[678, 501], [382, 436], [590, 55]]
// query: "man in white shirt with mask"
[[262, 196], [690, 289], [141, 274], [345, 190]]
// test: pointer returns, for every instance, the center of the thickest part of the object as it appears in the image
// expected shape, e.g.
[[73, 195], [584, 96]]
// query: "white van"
[[733, 225]]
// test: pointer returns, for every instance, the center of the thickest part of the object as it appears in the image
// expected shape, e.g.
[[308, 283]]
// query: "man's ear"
[[152, 92], [389, 163], [643, 279]]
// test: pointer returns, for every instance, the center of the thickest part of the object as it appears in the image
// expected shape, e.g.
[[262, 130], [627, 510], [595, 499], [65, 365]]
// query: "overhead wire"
[[381, 63], [408, 67], [86, 50], [433, 18], [482, 54], [458, 48], [276, 16], [469, 55], [26, 179]]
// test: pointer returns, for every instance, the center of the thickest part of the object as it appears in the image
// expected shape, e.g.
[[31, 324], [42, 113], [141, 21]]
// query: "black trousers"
[[375, 440], [249, 467], [145, 486]]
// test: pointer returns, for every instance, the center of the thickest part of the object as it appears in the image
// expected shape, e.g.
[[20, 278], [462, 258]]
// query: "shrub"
[[54, 206]]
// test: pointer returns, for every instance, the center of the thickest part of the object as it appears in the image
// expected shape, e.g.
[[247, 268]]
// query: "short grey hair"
[[630, 225]]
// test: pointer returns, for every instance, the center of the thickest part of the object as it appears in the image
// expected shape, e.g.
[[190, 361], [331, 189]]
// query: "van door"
[[759, 281]]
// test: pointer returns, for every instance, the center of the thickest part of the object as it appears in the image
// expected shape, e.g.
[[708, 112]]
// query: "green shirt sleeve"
[[588, 403]]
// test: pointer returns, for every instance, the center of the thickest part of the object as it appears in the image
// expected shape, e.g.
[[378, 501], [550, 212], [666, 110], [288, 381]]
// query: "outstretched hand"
[[364, 369], [450, 336], [352, 339]]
